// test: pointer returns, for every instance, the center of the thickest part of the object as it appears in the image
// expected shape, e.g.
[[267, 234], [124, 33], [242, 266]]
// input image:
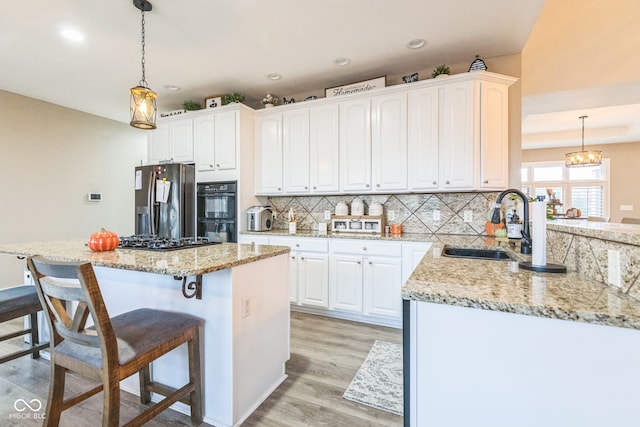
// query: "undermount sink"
[[475, 253]]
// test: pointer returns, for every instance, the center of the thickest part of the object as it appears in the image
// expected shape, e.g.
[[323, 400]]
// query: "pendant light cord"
[[143, 82], [583, 117]]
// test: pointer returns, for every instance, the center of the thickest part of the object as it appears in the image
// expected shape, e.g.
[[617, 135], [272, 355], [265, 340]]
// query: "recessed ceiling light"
[[342, 61], [172, 87], [274, 76], [71, 34], [416, 43]]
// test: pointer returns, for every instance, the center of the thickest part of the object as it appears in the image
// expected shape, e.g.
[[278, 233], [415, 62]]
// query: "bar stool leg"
[[194, 377], [111, 402], [145, 379], [35, 338], [56, 395]]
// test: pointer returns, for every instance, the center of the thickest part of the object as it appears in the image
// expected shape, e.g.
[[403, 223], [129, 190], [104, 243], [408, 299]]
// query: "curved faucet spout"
[[525, 246]]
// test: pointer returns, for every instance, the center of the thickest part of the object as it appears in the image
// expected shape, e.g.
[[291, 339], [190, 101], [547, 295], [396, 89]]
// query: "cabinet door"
[[158, 144], [203, 137], [355, 145], [389, 142], [225, 137], [268, 160], [181, 140], [494, 135], [295, 144], [457, 137], [382, 283], [346, 282], [324, 147], [313, 279], [423, 133]]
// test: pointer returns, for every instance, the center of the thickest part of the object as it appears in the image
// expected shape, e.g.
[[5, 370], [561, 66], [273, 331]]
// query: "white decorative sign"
[[359, 87]]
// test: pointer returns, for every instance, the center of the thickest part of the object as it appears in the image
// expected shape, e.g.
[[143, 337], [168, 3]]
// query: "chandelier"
[[143, 99], [583, 158]]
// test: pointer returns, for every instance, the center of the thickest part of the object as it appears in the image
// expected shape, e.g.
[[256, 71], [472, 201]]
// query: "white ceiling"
[[211, 47]]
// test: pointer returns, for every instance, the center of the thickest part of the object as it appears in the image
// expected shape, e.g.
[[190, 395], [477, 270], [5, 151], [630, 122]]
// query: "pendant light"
[[143, 99], [583, 158]]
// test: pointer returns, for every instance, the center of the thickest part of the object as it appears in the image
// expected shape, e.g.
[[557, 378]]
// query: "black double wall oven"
[[217, 210]]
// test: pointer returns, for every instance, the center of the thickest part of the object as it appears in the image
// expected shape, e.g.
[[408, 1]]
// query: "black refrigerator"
[[165, 200]]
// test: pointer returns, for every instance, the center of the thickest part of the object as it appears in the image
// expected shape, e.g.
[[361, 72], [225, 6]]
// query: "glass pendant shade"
[[579, 159], [143, 108]]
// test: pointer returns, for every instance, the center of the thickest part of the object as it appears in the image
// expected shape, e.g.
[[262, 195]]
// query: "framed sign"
[[358, 87], [213, 102]]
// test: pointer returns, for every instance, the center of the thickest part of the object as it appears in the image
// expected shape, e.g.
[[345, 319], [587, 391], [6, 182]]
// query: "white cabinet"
[[494, 136], [295, 144], [424, 139], [366, 277], [268, 149], [389, 142], [171, 141], [308, 270], [457, 136], [355, 145], [324, 160]]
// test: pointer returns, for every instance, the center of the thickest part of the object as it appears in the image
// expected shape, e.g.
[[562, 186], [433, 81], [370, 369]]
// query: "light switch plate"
[[468, 216], [436, 215], [327, 214]]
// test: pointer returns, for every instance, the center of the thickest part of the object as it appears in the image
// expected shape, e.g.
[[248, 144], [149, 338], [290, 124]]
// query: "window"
[[583, 188]]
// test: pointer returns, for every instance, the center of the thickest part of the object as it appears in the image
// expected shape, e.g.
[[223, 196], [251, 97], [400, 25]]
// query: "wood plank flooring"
[[325, 355]]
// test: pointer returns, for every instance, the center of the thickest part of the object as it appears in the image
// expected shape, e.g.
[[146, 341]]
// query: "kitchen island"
[[489, 344], [241, 293]]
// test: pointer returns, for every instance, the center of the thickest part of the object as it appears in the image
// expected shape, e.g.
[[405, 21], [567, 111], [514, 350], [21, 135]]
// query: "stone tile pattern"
[[503, 286], [589, 257], [182, 262], [413, 211]]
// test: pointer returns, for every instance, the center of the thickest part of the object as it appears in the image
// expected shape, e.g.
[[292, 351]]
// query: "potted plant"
[[191, 105], [229, 98], [269, 100], [440, 70]]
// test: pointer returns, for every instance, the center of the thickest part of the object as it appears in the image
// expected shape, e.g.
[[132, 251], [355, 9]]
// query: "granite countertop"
[[502, 286], [404, 237], [181, 262], [611, 231]]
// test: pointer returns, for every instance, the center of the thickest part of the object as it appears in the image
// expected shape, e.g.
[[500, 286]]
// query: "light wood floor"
[[325, 355]]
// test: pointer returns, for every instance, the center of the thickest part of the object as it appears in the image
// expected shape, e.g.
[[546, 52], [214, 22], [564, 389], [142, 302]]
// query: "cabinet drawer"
[[301, 244], [367, 247]]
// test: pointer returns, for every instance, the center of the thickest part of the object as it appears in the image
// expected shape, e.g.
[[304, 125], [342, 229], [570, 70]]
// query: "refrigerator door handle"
[[150, 201]]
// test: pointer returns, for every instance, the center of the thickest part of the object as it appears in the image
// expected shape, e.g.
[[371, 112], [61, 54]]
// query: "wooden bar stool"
[[113, 348], [16, 302]]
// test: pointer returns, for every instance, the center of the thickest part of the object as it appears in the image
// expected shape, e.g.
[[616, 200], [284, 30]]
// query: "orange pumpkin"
[[103, 240], [491, 228]]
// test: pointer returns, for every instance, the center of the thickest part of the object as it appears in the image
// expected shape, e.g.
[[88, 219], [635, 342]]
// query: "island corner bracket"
[[191, 289]]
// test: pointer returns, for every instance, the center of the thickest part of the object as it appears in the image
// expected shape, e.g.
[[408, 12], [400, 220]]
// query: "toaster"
[[259, 218]]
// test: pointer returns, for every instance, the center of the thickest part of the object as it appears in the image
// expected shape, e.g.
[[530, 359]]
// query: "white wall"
[[50, 158]]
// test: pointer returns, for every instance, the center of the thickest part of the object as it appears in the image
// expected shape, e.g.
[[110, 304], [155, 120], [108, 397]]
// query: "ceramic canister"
[[357, 207]]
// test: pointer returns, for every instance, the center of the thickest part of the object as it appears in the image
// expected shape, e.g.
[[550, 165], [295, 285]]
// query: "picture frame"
[[358, 87], [213, 102]]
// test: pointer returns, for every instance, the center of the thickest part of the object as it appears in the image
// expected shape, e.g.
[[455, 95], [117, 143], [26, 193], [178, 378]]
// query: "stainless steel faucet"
[[525, 244]]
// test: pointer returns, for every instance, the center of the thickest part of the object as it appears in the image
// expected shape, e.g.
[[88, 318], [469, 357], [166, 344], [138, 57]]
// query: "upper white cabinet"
[[324, 148], [295, 144], [447, 134], [389, 142], [172, 141], [215, 141], [355, 145], [268, 163]]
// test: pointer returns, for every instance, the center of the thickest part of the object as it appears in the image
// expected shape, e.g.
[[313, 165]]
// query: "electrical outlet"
[[246, 307], [327, 214], [436, 215], [613, 267], [468, 216], [391, 215]]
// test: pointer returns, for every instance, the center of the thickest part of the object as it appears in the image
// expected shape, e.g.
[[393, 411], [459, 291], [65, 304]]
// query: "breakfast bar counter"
[[241, 293]]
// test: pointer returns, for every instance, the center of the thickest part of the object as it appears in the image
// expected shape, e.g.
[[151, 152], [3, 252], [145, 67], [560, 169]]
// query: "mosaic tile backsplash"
[[413, 211]]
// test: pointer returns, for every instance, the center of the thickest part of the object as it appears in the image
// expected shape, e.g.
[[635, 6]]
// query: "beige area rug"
[[378, 382]]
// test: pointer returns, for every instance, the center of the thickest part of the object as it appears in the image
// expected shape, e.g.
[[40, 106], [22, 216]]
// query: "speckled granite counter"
[[405, 237], [183, 262], [502, 286], [609, 231]]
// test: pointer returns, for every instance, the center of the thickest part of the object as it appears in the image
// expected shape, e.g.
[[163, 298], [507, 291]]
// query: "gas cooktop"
[[155, 243]]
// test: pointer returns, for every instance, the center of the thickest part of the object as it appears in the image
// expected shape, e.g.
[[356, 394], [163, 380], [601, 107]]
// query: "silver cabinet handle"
[[279, 189], [486, 181], [378, 185], [302, 259], [447, 182], [210, 166], [314, 187], [367, 185], [359, 263], [364, 248], [306, 188], [297, 245], [370, 263], [293, 257], [217, 165], [435, 182]]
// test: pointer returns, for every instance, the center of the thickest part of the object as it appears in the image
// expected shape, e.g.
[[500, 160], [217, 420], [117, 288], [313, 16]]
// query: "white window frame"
[[567, 184]]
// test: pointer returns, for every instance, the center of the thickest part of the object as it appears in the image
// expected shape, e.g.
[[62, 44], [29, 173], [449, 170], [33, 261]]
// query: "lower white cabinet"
[[308, 270], [356, 279], [366, 277]]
